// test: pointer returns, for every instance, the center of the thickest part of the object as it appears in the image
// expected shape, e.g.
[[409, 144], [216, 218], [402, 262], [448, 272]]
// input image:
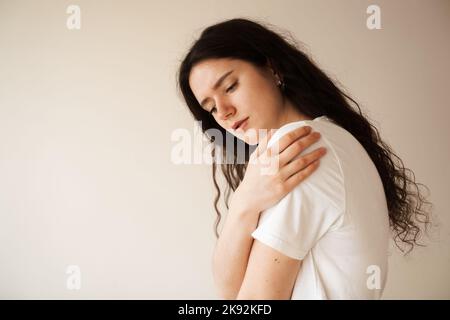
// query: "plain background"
[[86, 118]]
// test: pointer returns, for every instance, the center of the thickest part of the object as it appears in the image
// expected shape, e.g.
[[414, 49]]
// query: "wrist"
[[242, 209], [238, 205]]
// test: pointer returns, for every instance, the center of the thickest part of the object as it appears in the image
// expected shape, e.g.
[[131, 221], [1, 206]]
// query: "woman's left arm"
[[237, 255], [269, 275]]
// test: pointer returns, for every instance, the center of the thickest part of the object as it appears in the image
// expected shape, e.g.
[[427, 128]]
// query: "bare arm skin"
[[254, 195]]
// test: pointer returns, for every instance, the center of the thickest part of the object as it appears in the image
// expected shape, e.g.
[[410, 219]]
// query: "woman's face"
[[242, 91]]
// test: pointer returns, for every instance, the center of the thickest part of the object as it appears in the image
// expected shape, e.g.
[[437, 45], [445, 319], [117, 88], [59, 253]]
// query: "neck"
[[290, 114]]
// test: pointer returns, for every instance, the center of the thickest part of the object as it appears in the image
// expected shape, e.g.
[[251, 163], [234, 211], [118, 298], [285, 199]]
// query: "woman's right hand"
[[258, 190]]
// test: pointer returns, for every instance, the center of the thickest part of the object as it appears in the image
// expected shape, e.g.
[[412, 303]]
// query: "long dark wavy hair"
[[314, 94]]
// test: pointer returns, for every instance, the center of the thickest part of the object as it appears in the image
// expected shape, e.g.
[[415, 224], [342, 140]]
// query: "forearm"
[[232, 251]]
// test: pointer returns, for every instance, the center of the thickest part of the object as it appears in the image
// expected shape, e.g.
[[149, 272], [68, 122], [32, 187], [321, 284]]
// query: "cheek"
[[261, 98], [251, 102]]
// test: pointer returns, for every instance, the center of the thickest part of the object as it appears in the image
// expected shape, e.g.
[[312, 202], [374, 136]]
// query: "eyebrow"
[[217, 84]]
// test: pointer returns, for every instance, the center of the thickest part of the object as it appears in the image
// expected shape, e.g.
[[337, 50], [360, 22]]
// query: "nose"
[[224, 110]]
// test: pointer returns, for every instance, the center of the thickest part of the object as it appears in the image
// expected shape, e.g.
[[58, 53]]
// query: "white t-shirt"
[[336, 220]]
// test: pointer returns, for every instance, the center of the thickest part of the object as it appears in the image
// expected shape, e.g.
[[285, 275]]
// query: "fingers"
[[301, 175], [286, 140], [297, 147], [302, 163]]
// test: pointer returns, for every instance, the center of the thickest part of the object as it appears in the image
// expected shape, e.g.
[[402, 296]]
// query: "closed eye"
[[230, 88]]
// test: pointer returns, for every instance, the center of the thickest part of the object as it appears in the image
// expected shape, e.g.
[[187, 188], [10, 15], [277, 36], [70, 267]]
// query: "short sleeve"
[[297, 222]]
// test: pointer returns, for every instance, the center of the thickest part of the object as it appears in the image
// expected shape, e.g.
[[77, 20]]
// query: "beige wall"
[[86, 118]]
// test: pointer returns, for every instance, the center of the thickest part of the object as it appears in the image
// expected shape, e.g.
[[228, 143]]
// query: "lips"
[[239, 123]]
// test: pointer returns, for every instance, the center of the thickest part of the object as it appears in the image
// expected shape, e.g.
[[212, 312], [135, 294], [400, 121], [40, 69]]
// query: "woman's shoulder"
[[279, 133], [327, 182]]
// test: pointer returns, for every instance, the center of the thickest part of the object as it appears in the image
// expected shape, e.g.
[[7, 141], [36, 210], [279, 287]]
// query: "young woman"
[[303, 231]]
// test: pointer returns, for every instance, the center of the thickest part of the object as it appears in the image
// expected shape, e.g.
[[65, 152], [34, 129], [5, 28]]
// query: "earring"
[[281, 84]]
